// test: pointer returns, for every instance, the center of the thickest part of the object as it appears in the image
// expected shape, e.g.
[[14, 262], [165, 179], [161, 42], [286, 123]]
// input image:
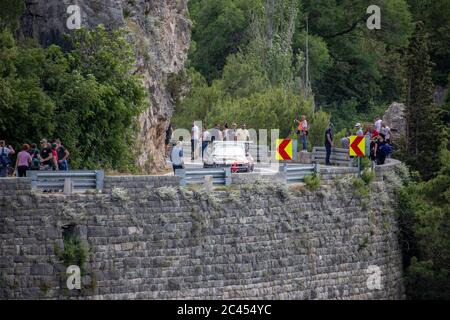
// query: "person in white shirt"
[[378, 124], [206, 138], [242, 133], [5, 161], [231, 133], [216, 133], [359, 130], [176, 156], [386, 131], [195, 136]]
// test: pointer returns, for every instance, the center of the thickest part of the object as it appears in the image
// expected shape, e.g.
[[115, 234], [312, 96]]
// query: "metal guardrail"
[[79, 180], [338, 156], [297, 173], [198, 175]]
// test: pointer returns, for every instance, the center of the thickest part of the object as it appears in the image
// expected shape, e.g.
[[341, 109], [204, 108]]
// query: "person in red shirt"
[[55, 156]]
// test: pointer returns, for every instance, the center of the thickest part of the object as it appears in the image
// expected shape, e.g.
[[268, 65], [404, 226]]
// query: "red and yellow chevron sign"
[[357, 146], [284, 149]]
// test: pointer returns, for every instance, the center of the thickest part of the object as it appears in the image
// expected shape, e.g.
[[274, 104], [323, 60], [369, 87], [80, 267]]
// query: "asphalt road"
[[259, 168]]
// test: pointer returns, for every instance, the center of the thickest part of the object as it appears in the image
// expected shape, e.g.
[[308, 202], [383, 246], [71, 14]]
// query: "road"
[[259, 168]]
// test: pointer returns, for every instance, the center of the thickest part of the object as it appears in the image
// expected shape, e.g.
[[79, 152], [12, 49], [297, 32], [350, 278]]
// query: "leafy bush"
[[312, 181], [75, 252], [360, 188], [367, 176]]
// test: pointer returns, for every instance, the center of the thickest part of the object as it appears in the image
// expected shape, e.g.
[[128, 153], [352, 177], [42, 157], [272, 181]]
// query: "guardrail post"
[[33, 176], [317, 168], [99, 179], [182, 174], [68, 186], [209, 183], [227, 172], [282, 167]]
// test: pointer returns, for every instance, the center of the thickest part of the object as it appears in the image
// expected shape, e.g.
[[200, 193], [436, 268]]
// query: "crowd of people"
[[217, 133], [54, 156], [378, 140], [201, 138], [50, 156]]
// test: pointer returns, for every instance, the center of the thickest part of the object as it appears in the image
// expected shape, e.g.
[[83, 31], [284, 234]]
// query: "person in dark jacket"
[[328, 143]]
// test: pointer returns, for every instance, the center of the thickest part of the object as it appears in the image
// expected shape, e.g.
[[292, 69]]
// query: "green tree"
[[87, 96], [219, 30], [361, 59], [424, 216], [434, 15], [25, 107], [10, 11], [424, 130]]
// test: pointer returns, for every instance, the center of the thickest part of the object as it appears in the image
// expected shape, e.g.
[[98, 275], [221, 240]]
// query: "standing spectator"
[[35, 160], [368, 136], [373, 145], [231, 133], [169, 132], [359, 130], [242, 134], [345, 141], [55, 155], [377, 124], [387, 132], [46, 155], [5, 160], [176, 156], [23, 161], [302, 131], [379, 150], [216, 133], [62, 155], [328, 143], [225, 131], [206, 138], [195, 135]]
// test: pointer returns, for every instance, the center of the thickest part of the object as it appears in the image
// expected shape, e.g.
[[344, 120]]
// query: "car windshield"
[[229, 151]]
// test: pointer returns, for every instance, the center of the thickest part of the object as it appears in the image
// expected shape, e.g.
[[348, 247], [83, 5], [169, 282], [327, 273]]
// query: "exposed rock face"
[[160, 34], [394, 117]]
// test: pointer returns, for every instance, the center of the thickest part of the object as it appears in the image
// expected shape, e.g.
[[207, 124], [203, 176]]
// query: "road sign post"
[[285, 149], [357, 149]]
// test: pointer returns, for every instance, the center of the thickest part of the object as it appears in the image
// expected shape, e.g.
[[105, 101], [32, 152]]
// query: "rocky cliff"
[[160, 34], [395, 119]]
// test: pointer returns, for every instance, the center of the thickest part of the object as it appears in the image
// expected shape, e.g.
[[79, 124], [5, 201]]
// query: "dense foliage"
[[424, 134], [87, 96], [424, 214]]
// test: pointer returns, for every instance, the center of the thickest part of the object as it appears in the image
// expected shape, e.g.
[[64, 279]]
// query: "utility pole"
[[307, 59], [308, 90]]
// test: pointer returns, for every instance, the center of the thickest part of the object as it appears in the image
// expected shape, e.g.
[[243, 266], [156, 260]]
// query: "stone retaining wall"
[[150, 239]]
